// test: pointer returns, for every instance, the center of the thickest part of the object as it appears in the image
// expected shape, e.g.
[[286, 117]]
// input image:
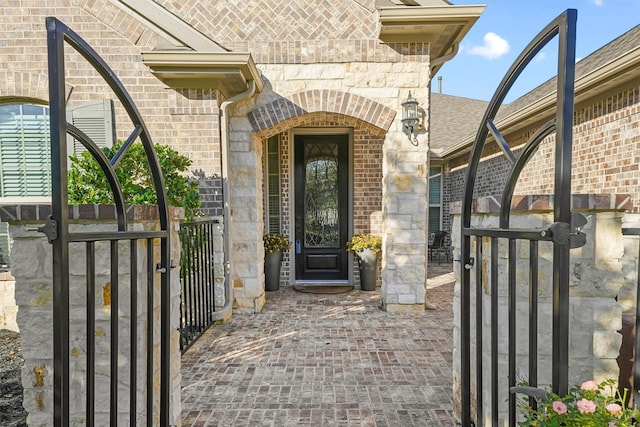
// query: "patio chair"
[[438, 246]]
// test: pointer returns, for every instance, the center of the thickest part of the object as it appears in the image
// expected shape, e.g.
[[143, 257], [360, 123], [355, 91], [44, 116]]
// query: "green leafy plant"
[[589, 405], [88, 184], [359, 242], [275, 242]]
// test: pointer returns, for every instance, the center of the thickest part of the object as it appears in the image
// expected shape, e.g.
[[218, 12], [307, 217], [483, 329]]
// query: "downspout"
[[224, 155], [444, 58]]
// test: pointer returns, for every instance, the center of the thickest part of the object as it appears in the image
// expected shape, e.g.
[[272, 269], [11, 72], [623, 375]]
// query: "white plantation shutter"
[[25, 159], [97, 120], [273, 185], [25, 153]]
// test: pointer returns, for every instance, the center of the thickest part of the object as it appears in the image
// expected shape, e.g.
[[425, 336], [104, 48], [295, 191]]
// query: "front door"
[[321, 207]]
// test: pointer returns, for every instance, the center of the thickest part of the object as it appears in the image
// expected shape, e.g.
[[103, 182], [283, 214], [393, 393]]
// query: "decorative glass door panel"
[[321, 189]]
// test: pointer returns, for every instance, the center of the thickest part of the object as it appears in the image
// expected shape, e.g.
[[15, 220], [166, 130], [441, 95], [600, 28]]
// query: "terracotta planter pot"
[[272, 263]]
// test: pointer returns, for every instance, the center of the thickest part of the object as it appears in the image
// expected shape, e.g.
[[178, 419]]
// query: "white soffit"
[[439, 23], [229, 72]]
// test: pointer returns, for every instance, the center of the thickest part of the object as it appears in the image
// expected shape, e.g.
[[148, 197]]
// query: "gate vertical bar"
[[91, 332], [133, 340], [636, 358], [165, 325], [562, 201], [495, 369], [59, 214], [479, 336], [512, 329], [533, 318], [114, 334], [150, 331]]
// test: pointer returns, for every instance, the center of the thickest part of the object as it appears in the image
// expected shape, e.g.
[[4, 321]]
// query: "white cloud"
[[597, 2], [541, 56], [494, 47]]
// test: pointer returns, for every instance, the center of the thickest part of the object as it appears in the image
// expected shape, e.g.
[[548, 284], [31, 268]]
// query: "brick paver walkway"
[[325, 360]]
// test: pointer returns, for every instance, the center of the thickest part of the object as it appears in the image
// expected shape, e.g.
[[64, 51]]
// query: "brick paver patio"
[[325, 360]]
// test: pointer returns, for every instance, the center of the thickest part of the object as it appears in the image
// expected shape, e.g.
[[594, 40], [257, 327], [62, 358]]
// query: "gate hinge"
[[49, 229], [568, 234]]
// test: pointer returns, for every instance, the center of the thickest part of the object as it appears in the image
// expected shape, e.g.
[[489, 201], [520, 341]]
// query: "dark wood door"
[[321, 206]]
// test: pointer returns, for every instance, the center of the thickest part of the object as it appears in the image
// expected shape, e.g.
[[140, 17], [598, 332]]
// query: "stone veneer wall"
[[31, 265], [597, 277]]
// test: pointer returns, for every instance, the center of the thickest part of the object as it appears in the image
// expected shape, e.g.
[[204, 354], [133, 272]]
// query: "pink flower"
[[614, 409], [559, 407], [586, 406], [589, 385]]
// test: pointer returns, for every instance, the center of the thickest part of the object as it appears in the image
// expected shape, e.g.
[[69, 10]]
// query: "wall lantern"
[[410, 118]]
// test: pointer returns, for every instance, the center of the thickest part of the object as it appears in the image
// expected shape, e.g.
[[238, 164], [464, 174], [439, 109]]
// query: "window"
[[435, 198], [25, 149], [273, 185], [25, 159]]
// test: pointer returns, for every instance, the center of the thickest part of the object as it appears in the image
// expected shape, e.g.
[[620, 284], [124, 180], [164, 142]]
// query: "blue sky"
[[507, 26]]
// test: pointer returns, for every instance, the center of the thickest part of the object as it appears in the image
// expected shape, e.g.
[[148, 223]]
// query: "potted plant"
[[366, 247], [274, 246]]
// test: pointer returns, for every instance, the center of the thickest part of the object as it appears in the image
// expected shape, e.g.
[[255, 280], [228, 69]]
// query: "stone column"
[[246, 226], [404, 213]]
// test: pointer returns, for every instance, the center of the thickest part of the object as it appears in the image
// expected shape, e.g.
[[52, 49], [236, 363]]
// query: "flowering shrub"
[[365, 241], [274, 242], [591, 404]]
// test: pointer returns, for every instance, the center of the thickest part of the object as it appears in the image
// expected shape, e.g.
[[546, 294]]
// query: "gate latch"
[[49, 229], [569, 234]]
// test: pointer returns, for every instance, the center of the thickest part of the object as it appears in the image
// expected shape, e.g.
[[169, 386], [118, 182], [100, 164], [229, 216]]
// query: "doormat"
[[323, 289]]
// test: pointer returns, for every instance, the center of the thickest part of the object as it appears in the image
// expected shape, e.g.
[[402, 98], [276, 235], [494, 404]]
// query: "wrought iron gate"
[[60, 236], [561, 233]]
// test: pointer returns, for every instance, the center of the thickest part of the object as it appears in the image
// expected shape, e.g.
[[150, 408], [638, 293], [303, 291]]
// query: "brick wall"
[[297, 31], [367, 182], [606, 154]]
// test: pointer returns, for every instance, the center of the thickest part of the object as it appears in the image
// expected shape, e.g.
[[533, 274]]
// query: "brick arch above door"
[[284, 113]]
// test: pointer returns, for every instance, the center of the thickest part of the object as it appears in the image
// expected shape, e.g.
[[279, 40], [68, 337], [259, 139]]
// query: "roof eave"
[[441, 26], [228, 72]]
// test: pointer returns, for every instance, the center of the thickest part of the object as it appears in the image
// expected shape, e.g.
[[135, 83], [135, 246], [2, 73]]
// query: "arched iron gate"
[[561, 233], [60, 236]]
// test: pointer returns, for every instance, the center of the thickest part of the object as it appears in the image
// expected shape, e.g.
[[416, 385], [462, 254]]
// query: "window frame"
[[439, 175]]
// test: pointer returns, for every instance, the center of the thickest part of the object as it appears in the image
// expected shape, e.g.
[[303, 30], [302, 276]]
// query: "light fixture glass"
[[410, 118]]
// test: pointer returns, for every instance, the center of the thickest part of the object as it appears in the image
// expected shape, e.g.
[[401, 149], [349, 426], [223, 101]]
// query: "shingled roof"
[[452, 119]]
